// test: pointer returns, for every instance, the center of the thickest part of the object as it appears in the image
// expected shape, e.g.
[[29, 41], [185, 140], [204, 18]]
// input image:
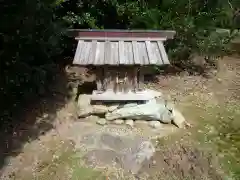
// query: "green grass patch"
[[218, 128], [66, 165]]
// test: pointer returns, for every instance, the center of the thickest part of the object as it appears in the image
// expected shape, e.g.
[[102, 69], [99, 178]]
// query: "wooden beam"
[[169, 34], [121, 38]]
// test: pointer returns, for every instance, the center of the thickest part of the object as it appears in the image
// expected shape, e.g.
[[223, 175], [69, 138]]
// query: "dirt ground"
[[208, 150]]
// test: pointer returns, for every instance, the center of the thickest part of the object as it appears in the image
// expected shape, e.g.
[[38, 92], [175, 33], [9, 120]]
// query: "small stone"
[[45, 115], [102, 121], [113, 107], [219, 80], [178, 119], [155, 124], [130, 122], [118, 121], [100, 109]]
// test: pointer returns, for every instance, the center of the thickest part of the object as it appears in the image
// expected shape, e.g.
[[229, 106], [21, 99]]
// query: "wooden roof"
[[121, 47]]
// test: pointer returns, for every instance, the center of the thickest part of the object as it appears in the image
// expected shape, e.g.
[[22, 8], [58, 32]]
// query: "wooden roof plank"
[[151, 55], [156, 53], [100, 53], [107, 53], [92, 56], [163, 53], [78, 52], [82, 54], [142, 49], [87, 52], [114, 55], [169, 34], [121, 52], [135, 53], [120, 38]]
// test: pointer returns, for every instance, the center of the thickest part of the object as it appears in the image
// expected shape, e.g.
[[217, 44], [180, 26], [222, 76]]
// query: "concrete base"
[[144, 95]]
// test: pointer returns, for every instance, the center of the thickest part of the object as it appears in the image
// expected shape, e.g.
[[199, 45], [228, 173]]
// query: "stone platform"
[[144, 95]]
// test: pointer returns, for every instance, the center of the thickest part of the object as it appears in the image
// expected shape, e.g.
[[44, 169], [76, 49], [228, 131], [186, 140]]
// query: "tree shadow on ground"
[[33, 119]]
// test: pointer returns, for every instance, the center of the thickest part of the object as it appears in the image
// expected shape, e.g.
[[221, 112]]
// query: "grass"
[[67, 166], [218, 129], [59, 163]]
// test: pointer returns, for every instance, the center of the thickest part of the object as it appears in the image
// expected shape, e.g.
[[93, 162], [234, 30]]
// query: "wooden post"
[[135, 79], [140, 79], [99, 78], [127, 81], [108, 83]]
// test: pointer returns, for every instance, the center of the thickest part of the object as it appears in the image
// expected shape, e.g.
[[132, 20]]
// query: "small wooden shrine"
[[119, 58]]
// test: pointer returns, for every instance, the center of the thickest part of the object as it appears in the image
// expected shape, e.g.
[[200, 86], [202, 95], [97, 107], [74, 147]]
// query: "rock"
[[129, 122], [84, 100], [84, 107], [184, 73], [155, 124], [91, 109], [167, 113], [118, 121], [99, 109], [178, 118], [166, 116], [84, 112], [102, 157], [106, 149], [102, 121], [148, 111], [219, 80], [112, 107], [133, 160]]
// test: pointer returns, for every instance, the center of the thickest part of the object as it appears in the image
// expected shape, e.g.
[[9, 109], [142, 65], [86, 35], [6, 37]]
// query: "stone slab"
[[106, 149], [129, 96]]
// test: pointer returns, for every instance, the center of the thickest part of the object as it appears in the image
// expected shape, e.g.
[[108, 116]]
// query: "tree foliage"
[[195, 21], [29, 38]]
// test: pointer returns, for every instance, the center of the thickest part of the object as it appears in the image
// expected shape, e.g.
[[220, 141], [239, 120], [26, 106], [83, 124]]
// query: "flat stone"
[[103, 158], [84, 111], [84, 100], [102, 121], [108, 150], [151, 110], [114, 142], [100, 109], [132, 161]]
